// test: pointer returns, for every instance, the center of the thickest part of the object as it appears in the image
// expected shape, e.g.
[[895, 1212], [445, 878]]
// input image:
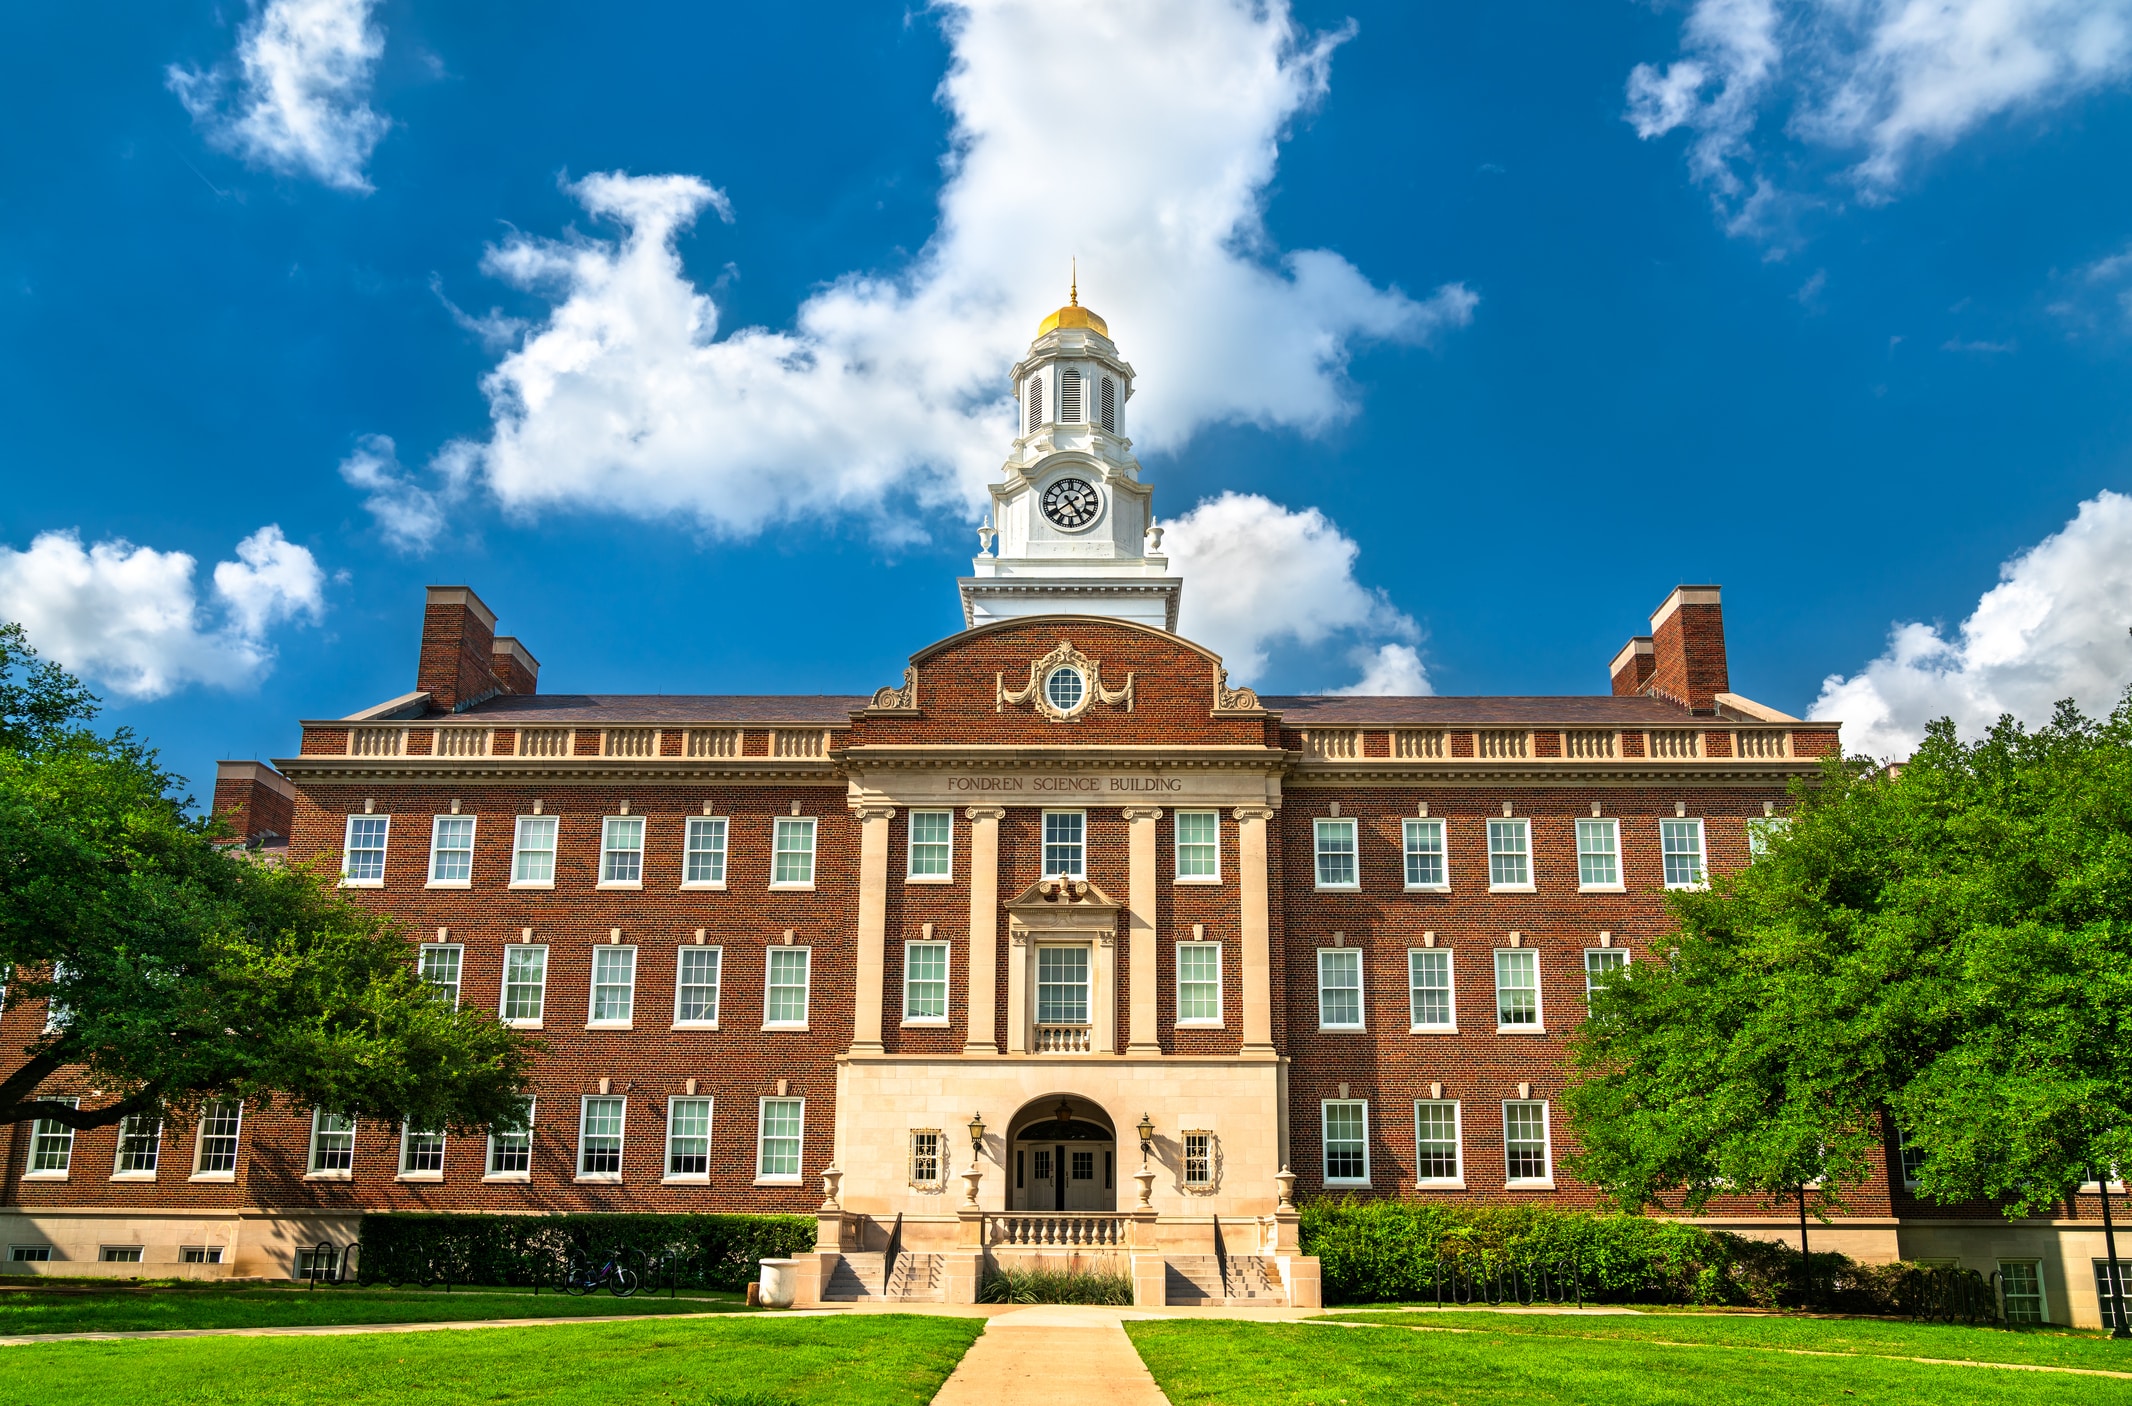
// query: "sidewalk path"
[[1069, 1353], [307, 1330]]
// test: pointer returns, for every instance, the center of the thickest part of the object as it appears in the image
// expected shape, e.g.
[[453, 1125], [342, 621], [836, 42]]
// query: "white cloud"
[[2054, 627], [297, 98], [410, 516], [1257, 574], [130, 619], [1141, 138], [1389, 669], [1880, 81]]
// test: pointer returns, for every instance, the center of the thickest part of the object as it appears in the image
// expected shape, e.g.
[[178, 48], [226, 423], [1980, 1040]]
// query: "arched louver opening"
[[1110, 405], [1036, 403], [1070, 398]]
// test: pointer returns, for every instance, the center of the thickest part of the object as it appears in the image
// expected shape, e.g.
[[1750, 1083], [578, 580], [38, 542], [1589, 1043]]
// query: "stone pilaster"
[[982, 966], [1257, 928], [873, 925], [1143, 953]]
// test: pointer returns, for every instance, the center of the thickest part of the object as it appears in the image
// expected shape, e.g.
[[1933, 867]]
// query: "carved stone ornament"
[[1233, 700], [898, 700], [1090, 687]]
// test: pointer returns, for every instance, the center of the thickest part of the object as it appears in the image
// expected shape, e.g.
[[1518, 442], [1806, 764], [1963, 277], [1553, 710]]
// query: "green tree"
[[1947, 943], [180, 969]]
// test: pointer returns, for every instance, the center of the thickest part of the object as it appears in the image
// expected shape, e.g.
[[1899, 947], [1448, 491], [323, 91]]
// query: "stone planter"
[[780, 1283]]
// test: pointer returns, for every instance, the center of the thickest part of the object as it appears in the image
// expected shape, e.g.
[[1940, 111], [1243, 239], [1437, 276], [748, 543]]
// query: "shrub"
[[1011, 1285], [686, 1251]]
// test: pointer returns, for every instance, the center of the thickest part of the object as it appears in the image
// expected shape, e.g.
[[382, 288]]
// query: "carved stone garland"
[[1040, 670]]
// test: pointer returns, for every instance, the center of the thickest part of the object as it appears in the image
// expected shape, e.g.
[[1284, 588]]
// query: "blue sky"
[[1499, 334]]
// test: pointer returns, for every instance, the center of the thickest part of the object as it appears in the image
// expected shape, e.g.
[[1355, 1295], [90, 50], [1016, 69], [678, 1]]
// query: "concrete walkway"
[[1054, 1351]]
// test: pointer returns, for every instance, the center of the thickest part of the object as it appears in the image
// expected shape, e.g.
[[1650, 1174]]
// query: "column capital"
[[986, 813], [873, 812], [1253, 812], [1141, 812]]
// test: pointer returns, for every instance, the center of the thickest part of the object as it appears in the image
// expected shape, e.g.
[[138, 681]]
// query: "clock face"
[[1072, 503]]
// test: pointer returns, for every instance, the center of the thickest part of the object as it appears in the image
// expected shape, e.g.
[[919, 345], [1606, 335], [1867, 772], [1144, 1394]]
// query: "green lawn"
[[740, 1361], [109, 1309], [1315, 1364]]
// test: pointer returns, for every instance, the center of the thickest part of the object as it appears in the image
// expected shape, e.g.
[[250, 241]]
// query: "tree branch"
[[52, 1110]]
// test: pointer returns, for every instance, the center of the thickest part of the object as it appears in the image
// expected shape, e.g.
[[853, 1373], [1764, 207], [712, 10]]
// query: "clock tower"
[[1073, 525]]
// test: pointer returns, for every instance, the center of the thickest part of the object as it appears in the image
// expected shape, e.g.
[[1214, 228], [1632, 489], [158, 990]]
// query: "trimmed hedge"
[[1383, 1251], [686, 1251]]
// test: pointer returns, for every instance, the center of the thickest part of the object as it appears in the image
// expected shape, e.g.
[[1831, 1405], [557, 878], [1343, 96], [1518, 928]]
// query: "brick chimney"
[[1688, 649], [256, 800], [463, 660], [1631, 669]]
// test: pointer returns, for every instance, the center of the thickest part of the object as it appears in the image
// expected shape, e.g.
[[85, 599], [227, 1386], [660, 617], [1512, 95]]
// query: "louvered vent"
[[1070, 398], [1036, 403], [1110, 405]]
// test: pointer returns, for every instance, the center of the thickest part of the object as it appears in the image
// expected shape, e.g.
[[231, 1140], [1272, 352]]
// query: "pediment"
[[1064, 905]]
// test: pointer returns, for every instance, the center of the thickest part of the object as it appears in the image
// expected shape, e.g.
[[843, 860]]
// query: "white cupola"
[[1073, 524]]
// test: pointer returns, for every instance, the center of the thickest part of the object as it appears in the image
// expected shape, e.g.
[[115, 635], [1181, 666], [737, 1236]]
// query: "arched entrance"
[[1062, 1155]]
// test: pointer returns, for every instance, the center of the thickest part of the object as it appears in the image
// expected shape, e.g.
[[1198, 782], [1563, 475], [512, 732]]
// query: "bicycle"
[[619, 1279]]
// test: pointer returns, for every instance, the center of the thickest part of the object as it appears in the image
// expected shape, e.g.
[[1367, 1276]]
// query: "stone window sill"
[[133, 1176], [420, 1176], [700, 884], [213, 1176], [1521, 1030], [329, 1176], [531, 884], [610, 1025], [1432, 1030], [521, 1178], [929, 879], [601, 1178], [449, 884], [792, 888], [1602, 888], [619, 884], [1512, 888], [777, 1181], [695, 1025]]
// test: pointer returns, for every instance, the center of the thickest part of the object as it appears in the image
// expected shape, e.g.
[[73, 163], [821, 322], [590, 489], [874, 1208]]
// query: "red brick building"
[[1062, 880]]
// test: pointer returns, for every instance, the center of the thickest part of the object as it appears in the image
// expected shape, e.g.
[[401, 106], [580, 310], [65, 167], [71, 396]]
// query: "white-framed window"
[[599, 1137], [1437, 1146], [1336, 854], [785, 988], [925, 983], [930, 856], [52, 1145], [1517, 989], [363, 856], [1430, 1003], [56, 1014], [1599, 855], [1510, 855], [2021, 1291], [1346, 1122], [511, 1144], [1527, 1158], [421, 1152], [1681, 844], [332, 1143], [622, 851], [1199, 1159], [1065, 844], [1910, 1156], [792, 853], [140, 1146], [119, 1254], [29, 1254], [451, 851], [703, 858], [1198, 846], [215, 1150], [533, 852], [1339, 988], [1762, 833], [696, 981], [614, 986], [438, 962], [779, 1124], [1598, 961], [1199, 983], [928, 1167], [1062, 985], [688, 1139], [199, 1254], [525, 984], [1428, 866]]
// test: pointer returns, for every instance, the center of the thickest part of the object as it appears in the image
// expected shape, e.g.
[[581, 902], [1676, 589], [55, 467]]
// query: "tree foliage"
[[181, 969], [1947, 943]]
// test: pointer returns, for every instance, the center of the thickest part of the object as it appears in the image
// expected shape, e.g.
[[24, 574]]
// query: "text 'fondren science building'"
[[938, 962]]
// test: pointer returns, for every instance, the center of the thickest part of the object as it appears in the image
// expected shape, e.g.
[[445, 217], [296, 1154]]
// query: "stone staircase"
[[1208, 1281], [862, 1275]]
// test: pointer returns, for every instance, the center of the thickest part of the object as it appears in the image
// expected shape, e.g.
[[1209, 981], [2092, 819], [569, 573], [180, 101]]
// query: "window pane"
[[451, 848], [696, 983], [533, 856], [140, 1143], [688, 1137], [511, 1145], [788, 986], [421, 1151], [1336, 852], [1600, 961], [2021, 1285], [52, 1143], [220, 1124], [600, 1142], [1436, 1140], [1525, 1141], [925, 1158], [440, 969], [1199, 981], [1198, 1159], [778, 1153], [1346, 1149], [1517, 988], [525, 976], [706, 851], [1340, 987], [614, 983], [1425, 854], [1198, 844], [925, 981], [1598, 861], [365, 858], [1508, 858], [932, 844], [332, 1141], [1682, 844], [792, 857], [1062, 985], [1429, 987], [622, 850], [1065, 844]]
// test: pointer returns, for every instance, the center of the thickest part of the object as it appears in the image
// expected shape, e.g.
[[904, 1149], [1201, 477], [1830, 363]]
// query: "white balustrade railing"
[[1066, 1229], [1063, 1039]]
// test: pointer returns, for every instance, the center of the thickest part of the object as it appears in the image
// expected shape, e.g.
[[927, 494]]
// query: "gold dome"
[[1074, 315]]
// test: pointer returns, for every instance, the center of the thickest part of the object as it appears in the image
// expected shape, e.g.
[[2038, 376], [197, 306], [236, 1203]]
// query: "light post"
[[1147, 1136], [977, 1136], [2118, 1329]]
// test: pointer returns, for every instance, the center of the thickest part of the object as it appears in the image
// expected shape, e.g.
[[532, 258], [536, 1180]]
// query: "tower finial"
[[1073, 290]]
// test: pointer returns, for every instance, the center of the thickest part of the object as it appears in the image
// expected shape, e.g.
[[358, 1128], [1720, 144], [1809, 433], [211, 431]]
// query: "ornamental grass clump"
[[1016, 1285]]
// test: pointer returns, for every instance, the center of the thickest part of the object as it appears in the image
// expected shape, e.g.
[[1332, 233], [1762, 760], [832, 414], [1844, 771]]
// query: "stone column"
[[873, 925], [1257, 928], [982, 965], [1143, 953]]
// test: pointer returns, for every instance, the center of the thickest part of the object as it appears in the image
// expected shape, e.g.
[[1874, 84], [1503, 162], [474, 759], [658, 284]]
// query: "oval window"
[[1064, 688]]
